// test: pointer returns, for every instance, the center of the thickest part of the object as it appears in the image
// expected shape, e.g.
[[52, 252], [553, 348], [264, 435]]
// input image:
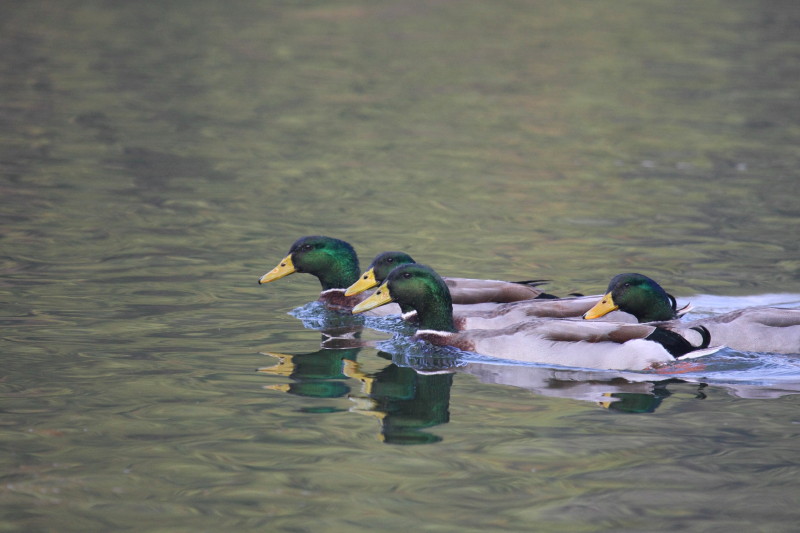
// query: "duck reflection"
[[404, 400], [319, 374], [633, 402], [626, 393], [314, 374], [411, 394]]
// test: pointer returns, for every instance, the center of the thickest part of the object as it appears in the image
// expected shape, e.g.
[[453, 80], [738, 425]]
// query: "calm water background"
[[157, 157]]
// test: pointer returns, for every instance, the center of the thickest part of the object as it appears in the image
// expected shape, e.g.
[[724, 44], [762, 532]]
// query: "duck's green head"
[[378, 271], [332, 261], [420, 288], [638, 295]]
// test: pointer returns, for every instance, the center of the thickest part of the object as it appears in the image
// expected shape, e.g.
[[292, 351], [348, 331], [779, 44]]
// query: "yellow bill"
[[282, 387], [283, 269], [601, 308], [366, 281], [284, 367], [351, 369], [381, 297], [606, 404]]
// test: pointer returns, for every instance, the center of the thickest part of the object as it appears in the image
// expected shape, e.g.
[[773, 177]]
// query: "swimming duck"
[[563, 342], [462, 290], [511, 313], [523, 300], [753, 329], [334, 263]]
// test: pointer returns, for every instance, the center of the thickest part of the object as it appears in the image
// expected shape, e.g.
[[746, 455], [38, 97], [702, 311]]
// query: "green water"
[[157, 157]]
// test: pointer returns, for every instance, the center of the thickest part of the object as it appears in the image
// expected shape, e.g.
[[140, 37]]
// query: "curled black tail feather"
[[705, 334], [676, 344]]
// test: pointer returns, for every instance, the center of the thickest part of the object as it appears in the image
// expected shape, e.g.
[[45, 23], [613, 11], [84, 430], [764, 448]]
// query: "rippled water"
[[156, 158]]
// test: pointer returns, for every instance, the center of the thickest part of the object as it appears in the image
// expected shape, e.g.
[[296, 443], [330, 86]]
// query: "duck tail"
[[676, 344], [705, 334], [532, 282], [546, 296]]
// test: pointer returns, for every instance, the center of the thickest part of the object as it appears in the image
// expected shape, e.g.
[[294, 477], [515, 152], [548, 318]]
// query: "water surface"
[[156, 158]]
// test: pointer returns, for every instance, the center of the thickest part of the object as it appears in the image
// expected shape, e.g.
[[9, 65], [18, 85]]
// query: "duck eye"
[[306, 247], [407, 275]]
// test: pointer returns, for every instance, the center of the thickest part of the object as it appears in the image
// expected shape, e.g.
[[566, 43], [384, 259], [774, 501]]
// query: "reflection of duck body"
[[754, 329], [599, 386], [405, 402], [607, 389], [561, 342], [319, 374]]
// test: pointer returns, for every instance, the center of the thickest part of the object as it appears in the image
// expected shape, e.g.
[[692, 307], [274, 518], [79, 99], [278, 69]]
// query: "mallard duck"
[[639, 295], [515, 301], [479, 303], [563, 342], [754, 329], [334, 263], [511, 313], [464, 291]]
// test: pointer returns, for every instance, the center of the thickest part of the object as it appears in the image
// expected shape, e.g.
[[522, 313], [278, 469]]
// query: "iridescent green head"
[[638, 295], [334, 262], [378, 271], [385, 262], [420, 288]]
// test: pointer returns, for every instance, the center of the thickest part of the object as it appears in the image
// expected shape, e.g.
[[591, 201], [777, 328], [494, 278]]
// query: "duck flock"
[[636, 325]]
